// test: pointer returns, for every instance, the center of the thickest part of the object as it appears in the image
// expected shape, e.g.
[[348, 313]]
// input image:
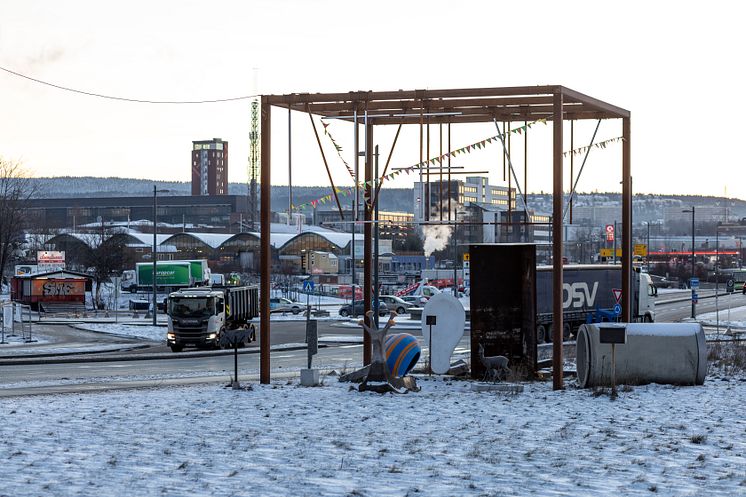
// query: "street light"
[[694, 305], [155, 249]]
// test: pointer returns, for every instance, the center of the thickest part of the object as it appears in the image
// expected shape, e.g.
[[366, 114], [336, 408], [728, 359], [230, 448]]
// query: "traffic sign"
[[640, 249], [730, 285], [695, 297], [308, 286], [610, 232], [694, 283], [617, 309], [617, 294]]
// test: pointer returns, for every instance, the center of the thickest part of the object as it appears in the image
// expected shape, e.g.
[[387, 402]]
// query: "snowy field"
[[284, 440]]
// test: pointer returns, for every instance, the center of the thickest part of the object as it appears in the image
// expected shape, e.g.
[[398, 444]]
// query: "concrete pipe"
[[668, 353]]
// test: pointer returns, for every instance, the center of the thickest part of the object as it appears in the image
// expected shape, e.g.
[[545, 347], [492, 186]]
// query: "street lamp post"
[[694, 305], [647, 248], [155, 250]]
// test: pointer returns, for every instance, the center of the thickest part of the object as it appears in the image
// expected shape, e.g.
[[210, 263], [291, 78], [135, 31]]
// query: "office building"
[[210, 167]]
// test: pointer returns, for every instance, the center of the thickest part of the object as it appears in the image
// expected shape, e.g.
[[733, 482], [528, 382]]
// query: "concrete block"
[[309, 377]]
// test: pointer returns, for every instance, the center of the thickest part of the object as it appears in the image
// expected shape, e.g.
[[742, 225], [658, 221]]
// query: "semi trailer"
[[170, 275], [591, 293], [200, 316]]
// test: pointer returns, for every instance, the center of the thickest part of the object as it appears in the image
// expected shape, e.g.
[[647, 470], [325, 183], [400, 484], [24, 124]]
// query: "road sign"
[[694, 283], [308, 286], [617, 309], [610, 232], [730, 285], [640, 249], [695, 297], [617, 294]]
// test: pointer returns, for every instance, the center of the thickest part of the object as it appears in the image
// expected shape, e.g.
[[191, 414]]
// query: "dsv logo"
[[578, 295]]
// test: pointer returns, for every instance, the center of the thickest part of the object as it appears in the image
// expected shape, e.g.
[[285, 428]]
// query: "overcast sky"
[[675, 65]]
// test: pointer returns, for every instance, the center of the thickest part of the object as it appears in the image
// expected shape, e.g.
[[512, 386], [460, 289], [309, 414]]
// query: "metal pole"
[[368, 237], [376, 303], [694, 306], [557, 276], [356, 146], [155, 251], [627, 294], [265, 253], [717, 280], [647, 250], [290, 168], [615, 235]]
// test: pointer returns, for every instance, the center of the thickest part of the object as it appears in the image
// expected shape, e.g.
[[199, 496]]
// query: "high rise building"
[[210, 167]]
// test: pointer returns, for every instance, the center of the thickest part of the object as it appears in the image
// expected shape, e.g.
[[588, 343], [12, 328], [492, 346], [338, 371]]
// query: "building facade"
[[210, 167], [451, 196]]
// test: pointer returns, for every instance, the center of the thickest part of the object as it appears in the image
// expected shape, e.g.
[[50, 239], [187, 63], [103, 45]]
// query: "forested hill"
[[392, 199]]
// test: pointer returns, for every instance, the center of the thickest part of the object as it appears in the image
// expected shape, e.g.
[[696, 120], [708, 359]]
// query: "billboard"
[[49, 260]]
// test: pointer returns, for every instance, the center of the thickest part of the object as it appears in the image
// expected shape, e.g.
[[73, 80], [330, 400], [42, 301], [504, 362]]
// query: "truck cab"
[[646, 303], [195, 317]]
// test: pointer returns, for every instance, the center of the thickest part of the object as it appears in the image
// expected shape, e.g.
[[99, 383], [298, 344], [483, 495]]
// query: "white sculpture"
[[447, 330], [494, 366]]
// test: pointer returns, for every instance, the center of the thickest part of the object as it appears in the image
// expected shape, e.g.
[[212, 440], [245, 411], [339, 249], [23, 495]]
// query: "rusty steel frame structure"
[[450, 106]]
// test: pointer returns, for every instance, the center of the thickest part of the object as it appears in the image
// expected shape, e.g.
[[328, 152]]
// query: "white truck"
[[591, 293], [200, 316]]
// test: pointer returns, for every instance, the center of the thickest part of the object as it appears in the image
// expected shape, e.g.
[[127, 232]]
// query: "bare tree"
[[15, 189], [105, 255]]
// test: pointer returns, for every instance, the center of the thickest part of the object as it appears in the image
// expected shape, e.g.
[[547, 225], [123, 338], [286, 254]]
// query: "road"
[[156, 365]]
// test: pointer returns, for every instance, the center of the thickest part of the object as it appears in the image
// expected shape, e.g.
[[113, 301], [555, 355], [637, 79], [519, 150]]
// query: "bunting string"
[[479, 145], [338, 148]]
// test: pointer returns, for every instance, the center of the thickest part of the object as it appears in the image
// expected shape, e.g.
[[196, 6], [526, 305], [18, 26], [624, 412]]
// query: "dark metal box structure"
[[503, 304]]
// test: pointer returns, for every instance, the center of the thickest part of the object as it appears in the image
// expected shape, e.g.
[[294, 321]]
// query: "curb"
[[142, 357]]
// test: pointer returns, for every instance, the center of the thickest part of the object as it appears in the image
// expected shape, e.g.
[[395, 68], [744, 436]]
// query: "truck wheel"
[[176, 347], [566, 331], [541, 334], [252, 333], [647, 319], [549, 336]]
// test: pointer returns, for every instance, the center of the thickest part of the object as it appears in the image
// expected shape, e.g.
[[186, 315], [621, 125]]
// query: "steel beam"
[[367, 240], [626, 222], [557, 276], [265, 254]]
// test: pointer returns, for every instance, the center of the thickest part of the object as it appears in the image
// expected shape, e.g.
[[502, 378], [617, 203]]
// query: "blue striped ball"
[[402, 353]]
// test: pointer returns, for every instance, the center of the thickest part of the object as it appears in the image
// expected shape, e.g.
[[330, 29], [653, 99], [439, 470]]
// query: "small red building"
[[49, 289]]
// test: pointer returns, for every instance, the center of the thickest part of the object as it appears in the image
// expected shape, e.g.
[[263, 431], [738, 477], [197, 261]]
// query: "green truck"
[[170, 275]]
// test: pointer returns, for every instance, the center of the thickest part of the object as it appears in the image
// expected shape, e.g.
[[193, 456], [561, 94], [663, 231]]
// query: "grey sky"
[[674, 65]]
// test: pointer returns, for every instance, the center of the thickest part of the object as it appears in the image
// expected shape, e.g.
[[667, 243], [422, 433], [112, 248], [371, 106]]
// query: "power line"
[[125, 99]]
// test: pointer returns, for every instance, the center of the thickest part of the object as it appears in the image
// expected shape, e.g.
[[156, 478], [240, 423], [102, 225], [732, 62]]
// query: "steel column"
[[557, 197], [626, 222], [367, 239], [265, 254]]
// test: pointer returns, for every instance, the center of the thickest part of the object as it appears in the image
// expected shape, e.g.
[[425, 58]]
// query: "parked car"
[[396, 303], [281, 304], [414, 300], [346, 310]]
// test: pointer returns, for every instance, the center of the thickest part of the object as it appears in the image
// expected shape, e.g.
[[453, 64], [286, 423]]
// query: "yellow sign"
[[466, 256], [639, 249], [607, 252]]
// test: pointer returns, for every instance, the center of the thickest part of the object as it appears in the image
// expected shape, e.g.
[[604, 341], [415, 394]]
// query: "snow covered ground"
[[281, 440]]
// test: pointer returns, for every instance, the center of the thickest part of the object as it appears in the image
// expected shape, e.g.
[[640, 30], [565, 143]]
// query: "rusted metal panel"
[[503, 304]]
